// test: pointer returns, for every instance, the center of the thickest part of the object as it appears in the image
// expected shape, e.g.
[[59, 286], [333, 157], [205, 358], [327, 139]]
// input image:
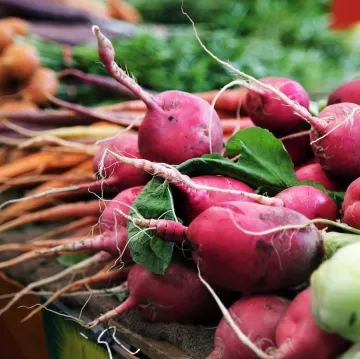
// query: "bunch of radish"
[[243, 244]]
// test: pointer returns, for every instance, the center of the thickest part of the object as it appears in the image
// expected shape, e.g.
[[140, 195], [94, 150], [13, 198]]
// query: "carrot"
[[15, 154], [43, 80], [21, 60], [228, 101], [17, 209], [131, 106], [18, 25], [122, 10], [83, 226], [6, 36], [4, 152], [19, 105], [58, 213], [39, 162]]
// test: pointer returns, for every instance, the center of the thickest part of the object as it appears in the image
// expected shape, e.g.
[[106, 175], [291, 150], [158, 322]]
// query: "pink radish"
[[351, 205], [247, 243], [314, 172], [177, 126], [271, 113], [178, 296], [347, 92], [257, 317], [299, 337], [311, 202]]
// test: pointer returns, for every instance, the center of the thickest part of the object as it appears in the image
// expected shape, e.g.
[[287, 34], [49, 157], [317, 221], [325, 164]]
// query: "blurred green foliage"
[[261, 37]]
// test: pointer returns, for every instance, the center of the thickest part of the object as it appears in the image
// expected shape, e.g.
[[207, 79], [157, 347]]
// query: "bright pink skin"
[[338, 152], [351, 205], [311, 202], [263, 262], [193, 202], [271, 113], [299, 337], [314, 172], [257, 317], [178, 129], [348, 92], [178, 296], [299, 149], [119, 174]]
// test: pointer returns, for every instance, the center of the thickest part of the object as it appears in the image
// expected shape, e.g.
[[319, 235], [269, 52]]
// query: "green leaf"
[[147, 249], [71, 259]]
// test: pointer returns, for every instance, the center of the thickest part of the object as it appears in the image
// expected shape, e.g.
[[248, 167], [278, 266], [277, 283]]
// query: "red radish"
[[113, 238], [178, 296], [247, 243], [270, 112], [351, 205], [314, 172], [299, 337], [311, 202], [298, 149], [177, 126], [335, 141], [347, 92], [112, 173], [257, 317]]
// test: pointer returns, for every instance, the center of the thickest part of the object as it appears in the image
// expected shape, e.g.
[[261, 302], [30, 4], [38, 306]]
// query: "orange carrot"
[[43, 80], [40, 161], [120, 9], [131, 106], [18, 25], [19, 105], [84, 226], [58, 213], [6, 36], [21, 60], [17, 209]]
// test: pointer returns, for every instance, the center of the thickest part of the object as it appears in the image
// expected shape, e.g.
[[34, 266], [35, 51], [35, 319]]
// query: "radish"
[[269, 112], [311, 202], [334, 134], [111, 172], [299, 337], [257, 317], [178, 296], [177, 126], [351, 205], [113, 238], [347, 92], [246, 243], [314, 172]]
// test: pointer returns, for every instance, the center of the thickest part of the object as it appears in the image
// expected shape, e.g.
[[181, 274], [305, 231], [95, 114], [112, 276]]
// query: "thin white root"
[[99, 257], [49, 139], [300, 110], [241, 336], [174, 176]]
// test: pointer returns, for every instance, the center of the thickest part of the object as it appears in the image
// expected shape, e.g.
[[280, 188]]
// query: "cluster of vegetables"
[[254, 226], [23, 81]]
